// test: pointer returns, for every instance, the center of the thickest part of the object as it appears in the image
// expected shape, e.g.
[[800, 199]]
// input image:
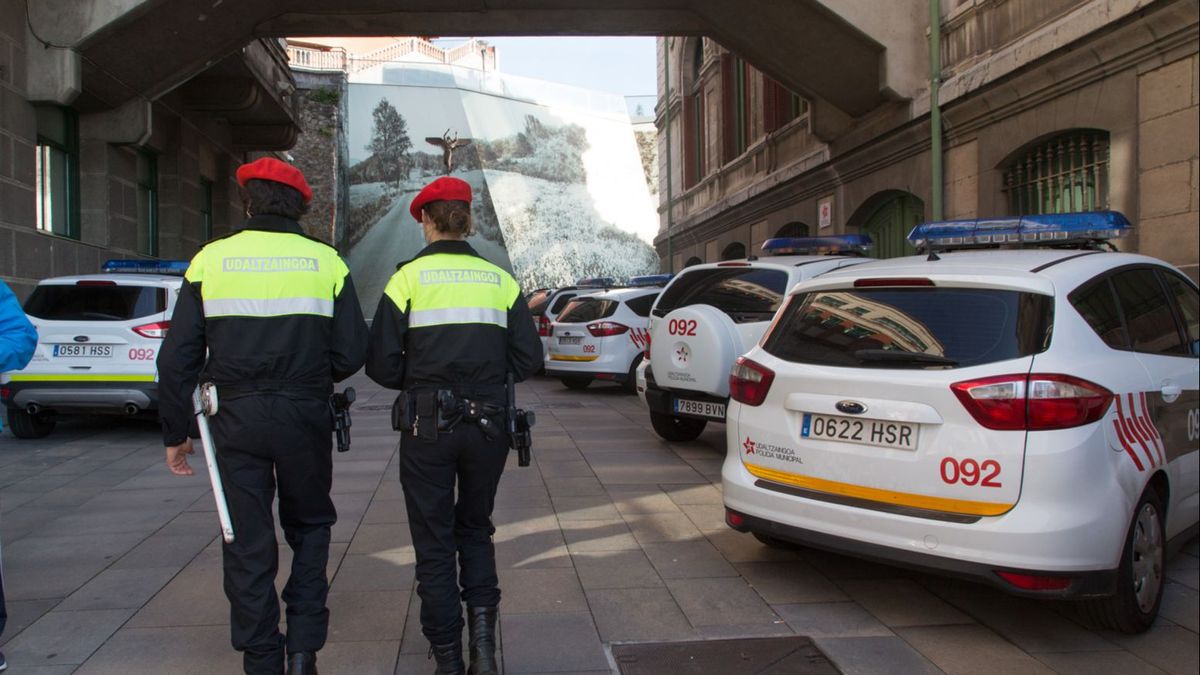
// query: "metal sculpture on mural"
[[448, 146]]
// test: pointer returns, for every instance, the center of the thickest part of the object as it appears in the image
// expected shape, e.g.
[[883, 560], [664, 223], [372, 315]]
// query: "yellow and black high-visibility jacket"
[[276, 311], [449, 318]]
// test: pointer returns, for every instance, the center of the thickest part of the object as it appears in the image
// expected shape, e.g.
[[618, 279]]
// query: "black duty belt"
[[318, 391]]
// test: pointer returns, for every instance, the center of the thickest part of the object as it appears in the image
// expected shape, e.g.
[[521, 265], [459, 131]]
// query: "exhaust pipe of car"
[[131, 409], [33, 408]]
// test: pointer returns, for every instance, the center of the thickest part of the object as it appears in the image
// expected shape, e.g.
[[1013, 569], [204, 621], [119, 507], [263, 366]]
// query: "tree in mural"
[[390, 142]]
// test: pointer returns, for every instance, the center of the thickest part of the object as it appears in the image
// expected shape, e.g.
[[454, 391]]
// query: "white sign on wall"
[[825, 212]]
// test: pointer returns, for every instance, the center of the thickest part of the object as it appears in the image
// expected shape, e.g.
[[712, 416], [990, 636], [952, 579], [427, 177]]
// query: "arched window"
[[1062, 174], [693, 261], [693, 112], [734, 251], [793, 229]]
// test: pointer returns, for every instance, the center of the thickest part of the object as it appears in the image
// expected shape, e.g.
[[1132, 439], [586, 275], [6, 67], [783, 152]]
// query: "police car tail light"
[[749, 382], [1063, 402], [606, 328], [95, 282], [875, 283], [646, 352], [995, 402], [1036, 402], [543, 326], [158, 329]]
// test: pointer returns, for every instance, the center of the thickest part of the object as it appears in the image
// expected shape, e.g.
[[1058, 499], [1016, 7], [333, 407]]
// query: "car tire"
[[773, 542], [25, 425], [631, 378], [676, 429], [576, 382], [1140, 578]]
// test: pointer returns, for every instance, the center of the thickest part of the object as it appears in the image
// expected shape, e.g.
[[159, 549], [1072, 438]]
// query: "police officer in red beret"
[[276, 313], [449, 328]]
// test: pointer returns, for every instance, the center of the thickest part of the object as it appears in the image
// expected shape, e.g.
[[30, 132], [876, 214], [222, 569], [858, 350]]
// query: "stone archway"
[[793, 229], [734, 251], [888, 217]]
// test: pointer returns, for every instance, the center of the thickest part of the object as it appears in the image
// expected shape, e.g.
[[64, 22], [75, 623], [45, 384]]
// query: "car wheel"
[[25, 425], [1140, 576], [672, 428], [631, 379], [576, 382], [768, 540]]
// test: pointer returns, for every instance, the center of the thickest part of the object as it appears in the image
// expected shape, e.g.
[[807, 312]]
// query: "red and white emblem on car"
[[682, 354], [1135, 429], [749, 446]]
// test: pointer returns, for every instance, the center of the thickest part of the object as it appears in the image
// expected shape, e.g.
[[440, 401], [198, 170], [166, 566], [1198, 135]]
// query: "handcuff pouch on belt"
[[425, 413]]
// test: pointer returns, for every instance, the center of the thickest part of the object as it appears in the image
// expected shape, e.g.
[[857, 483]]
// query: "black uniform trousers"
[[264, 441], [456, 560]]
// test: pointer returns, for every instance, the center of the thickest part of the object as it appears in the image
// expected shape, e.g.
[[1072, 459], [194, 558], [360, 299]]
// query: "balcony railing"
[[336, 58]]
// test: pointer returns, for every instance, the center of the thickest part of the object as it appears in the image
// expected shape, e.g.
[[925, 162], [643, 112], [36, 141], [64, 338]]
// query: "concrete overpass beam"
[[54, 75], [66, 23], [900, 26], [130, 124]]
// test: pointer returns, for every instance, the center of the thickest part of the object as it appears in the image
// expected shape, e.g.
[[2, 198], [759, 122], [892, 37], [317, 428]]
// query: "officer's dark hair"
[[450, 216], [270, 198]]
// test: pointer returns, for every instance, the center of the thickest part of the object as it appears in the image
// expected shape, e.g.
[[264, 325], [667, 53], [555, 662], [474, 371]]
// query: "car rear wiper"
[[897, 356]]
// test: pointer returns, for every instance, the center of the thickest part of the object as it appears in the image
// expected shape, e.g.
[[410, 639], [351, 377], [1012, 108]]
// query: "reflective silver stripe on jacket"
[[438, 317], [267, 306]]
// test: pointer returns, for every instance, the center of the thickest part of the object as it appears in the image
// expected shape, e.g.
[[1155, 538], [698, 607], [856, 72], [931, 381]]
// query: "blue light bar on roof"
[[842, 243], [1050, 229], [596, 282], [650, 279], [174, 267]]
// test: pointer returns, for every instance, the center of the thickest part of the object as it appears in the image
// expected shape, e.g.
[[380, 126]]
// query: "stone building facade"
[[1048, 105]]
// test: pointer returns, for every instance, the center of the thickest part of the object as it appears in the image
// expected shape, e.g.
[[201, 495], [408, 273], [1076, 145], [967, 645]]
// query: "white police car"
[[545, 304], [1026, 418], [710, 314], [601, 336], [98, 338]]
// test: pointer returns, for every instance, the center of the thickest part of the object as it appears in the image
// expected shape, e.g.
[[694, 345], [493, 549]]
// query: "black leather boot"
[[449, 658], [302, 663], [481, 623]]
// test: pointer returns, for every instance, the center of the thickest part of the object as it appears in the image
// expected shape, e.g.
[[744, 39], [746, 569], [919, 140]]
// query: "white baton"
[[204, 403]]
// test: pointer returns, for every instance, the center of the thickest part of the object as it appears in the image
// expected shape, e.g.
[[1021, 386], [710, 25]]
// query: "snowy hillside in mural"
[[559, 187]]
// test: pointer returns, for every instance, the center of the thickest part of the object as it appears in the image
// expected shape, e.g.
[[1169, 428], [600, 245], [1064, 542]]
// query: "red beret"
[[444, 188], [269, 168]]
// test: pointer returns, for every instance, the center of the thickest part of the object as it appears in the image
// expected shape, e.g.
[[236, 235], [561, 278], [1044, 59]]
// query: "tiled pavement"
[[112, 564]]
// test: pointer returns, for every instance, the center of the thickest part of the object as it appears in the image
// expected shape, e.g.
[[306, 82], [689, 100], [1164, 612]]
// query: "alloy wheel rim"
[[1147, 558]]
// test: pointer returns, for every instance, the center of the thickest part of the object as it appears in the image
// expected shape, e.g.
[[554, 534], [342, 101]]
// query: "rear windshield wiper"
[[897, 356]]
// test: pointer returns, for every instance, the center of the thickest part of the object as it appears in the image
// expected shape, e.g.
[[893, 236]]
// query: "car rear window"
[[560, 302], [641, 306], [581, 310], [538, 300], [947, 327], [744, 293], [56, 302]]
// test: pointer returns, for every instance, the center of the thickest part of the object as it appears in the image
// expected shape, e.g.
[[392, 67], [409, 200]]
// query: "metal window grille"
[[1066, 174]]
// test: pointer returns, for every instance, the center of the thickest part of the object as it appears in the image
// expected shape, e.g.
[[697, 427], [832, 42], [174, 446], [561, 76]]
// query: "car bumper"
[[1083, 544], [126, 397], [660, 400], [611, 368]]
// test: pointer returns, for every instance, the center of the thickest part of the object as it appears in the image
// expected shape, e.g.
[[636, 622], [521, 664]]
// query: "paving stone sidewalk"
[[112, 565]]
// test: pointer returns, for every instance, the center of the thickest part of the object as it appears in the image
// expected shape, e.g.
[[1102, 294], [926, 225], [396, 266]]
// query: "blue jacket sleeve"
[[18, 337]]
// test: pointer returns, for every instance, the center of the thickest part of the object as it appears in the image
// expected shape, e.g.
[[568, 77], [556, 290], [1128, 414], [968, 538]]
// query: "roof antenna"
[[933, 256]]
